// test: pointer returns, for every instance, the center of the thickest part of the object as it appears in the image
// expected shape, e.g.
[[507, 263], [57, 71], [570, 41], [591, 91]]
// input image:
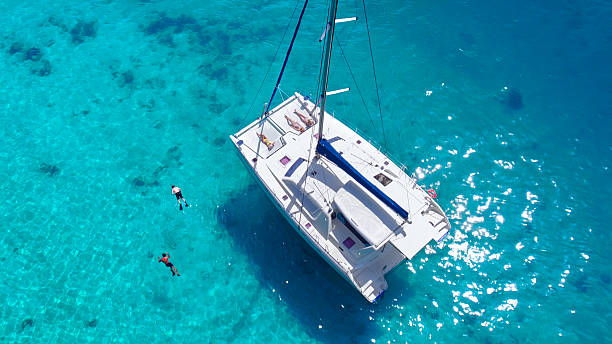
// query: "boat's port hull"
[[292, 223]]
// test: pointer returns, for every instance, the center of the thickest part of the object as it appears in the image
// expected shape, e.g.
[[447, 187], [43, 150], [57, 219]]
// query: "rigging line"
[[316, 102], [374, 70], [271, 62], [355, 81], [280, 75], [322, 52]]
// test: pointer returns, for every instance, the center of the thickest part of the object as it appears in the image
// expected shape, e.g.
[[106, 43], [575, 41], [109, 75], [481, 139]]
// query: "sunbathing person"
[[306, 120], [295, 125], [265, 140]]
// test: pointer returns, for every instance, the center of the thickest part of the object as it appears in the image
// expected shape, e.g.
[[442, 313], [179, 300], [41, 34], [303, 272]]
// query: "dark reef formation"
[[27, 323], [173, 156], [127, 77], [219, 141], [218, 73], [33, 54], [511, 98], [49, 169], [15, 48], [164, 27], [124, 79], [82, 30], [33, 57], [140, 182], [44, 68], [57, 23], [179, 24]]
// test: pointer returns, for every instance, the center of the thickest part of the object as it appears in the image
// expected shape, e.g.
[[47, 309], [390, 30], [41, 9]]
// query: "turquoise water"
[[120, 99]]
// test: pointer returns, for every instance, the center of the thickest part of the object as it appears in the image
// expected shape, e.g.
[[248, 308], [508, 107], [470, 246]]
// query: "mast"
[[331, 25]]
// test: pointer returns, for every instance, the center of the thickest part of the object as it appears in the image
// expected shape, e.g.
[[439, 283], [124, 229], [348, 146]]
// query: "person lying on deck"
[[306, 120], [265, 140], [294, 124]]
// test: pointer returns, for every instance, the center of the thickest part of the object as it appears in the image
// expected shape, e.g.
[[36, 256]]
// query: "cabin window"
[[384, 180]]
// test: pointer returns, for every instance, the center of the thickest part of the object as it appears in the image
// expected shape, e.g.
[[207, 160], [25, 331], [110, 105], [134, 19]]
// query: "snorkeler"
[[176, 191], [164, 259]]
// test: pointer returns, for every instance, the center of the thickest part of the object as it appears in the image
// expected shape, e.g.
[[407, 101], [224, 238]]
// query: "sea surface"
[[502, 106]]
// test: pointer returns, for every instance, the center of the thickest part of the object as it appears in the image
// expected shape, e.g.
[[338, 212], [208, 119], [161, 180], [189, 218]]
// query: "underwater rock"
[[219, 74], [138, 181], [27, 323], [514, 99], [44, 70], [223, 43], [51, 170], [56, 22], [159, 170], [127, 77], [82, 30], [15, 48], [216, 108], [179, 24], [581, 284], [511, 97], [174, 154], [91, 323], [467, 38], [165, 27], [219, 141], [33, 54]]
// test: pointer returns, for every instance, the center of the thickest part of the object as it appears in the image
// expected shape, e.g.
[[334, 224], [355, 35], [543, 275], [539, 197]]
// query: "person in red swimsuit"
[[164, 259]]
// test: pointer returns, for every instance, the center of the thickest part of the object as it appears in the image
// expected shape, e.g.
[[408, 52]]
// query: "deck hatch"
[[384, 180]]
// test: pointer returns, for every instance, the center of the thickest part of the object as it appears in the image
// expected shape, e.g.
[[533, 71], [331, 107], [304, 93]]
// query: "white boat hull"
[[360, 243]]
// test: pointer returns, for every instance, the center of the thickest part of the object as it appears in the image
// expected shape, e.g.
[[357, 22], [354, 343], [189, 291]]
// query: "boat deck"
[[304, 188]]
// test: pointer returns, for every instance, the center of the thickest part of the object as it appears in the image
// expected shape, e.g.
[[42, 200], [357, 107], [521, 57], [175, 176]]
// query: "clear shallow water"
[[136, 96]]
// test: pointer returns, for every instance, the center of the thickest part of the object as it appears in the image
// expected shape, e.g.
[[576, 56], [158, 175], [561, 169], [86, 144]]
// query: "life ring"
[[432, 193]]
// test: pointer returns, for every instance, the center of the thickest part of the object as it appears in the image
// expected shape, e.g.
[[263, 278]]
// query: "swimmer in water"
[[176, 191], [164, 259]]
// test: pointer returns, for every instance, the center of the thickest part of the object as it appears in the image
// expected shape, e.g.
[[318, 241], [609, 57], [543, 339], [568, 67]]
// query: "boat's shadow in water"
[[294, 273]]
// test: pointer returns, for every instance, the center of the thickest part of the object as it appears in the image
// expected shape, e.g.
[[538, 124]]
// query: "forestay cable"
[[248, 113], [374, 70]]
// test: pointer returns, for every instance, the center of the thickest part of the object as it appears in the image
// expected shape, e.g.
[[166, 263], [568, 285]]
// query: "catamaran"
[[358, 209]]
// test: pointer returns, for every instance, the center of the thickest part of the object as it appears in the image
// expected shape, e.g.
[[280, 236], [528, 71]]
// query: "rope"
[[271, 63], [374, 70], [355, 81], [297, 27], [316, 102]]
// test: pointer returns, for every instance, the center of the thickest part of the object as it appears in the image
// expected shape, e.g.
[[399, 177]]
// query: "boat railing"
[[264, 118], [378, 146]]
